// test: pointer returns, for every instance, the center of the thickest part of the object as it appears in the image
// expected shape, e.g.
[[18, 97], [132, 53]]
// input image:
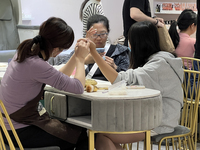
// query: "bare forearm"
[[106, 69], [88, 60], [138, 16], [80, 71], [68, 68]]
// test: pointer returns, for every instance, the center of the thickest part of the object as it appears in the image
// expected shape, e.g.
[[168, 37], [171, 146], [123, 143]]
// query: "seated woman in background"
[[24, 80], [183, 43], [153, 68], [117, 56]]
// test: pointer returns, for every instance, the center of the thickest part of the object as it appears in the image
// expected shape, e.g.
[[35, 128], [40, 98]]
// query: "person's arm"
[[89, 59], [106, 69], [137, 15], [68, 68], [81, 51], [122, 62], [80, 70], [77, 60]]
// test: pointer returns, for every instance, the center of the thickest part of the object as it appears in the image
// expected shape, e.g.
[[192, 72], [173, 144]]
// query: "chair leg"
[[137, 145], [148, 140], [2, 142], [189, 143], [130, 146], [91, 140]]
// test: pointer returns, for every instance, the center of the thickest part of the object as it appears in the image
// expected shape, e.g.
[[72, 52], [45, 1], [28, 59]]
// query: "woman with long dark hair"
[[24, 80], [187, 24], [89, 8], [153, 68]]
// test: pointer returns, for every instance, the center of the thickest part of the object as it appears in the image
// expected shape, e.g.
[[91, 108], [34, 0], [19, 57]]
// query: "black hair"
[[98, 19], [81, 9], [144, 41], [53, 33], [186, 18]]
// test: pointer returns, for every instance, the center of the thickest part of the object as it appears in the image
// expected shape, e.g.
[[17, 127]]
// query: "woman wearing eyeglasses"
[[117, 56]]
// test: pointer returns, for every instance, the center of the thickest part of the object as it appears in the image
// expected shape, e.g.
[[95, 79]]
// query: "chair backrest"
[[191, 63], [2, 124], [191, 89]]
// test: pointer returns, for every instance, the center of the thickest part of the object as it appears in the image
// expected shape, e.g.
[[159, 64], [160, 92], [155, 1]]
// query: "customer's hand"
[[111, 62], [82, 49]]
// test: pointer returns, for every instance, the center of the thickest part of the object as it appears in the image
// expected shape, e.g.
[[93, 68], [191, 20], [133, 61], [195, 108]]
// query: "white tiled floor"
[[155, 147]]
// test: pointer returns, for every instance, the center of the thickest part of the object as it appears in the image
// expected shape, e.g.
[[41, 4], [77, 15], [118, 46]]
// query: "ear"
[[55, 49]]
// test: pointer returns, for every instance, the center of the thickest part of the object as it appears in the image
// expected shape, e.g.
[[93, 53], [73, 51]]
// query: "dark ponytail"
[[186, 18], [174, 34], [81, 9], [54, 33]]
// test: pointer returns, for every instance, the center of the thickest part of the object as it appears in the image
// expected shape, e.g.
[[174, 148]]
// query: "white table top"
[[104, 95]]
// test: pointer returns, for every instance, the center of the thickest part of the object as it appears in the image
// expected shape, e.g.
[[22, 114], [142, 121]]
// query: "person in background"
[[24, 80], [153, 68], [187, 24], [89, 8], [117, 56], [135, 11]]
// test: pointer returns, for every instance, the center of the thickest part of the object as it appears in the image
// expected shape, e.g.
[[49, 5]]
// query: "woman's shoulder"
[[35, 62]]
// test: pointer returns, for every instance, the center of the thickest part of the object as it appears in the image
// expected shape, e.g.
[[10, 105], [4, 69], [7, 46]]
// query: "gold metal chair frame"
[[127, 146], [189, 63], [189, 114], [2, 144]]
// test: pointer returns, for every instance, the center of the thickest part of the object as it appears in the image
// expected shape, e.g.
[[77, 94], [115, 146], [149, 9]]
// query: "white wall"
[[37, 11]]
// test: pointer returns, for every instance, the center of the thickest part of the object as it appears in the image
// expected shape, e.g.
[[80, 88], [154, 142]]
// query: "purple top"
[[23, 81]]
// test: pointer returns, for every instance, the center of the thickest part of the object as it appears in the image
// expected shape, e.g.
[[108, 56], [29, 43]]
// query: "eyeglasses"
[[102, 35]]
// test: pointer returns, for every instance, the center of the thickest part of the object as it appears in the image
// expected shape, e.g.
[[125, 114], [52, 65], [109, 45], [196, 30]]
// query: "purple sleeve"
[[44, 73]]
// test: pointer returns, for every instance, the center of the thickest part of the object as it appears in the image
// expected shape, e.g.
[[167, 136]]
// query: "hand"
[[82, 49], [92, 44], [90, 32], [102, 54], [160, 19], [160, 24], [111, 62]]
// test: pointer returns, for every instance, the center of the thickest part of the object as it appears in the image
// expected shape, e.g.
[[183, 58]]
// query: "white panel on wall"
[[37, 11]]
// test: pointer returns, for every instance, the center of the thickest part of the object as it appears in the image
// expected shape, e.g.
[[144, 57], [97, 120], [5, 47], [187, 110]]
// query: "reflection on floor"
[[155, 147]]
